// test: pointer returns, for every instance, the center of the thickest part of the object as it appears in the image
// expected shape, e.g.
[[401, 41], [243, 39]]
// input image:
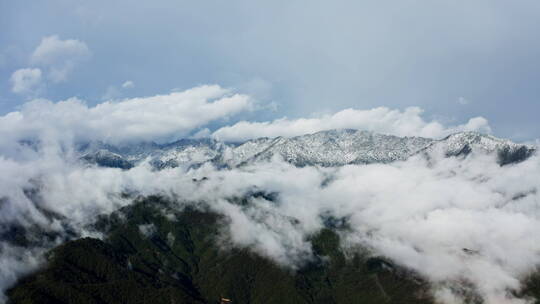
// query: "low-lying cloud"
[[407, 211], [451, 220], [381, 120]]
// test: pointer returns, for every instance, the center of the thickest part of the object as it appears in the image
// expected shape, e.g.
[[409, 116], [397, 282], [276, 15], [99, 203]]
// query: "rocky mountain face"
[[325, 148]]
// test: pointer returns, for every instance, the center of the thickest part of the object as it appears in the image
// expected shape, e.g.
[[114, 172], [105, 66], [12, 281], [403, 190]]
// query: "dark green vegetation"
[[182, 261]]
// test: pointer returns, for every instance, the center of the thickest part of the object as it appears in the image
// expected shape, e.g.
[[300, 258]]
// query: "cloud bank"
[[423, 223], [154, 118], [381, 120], [409, 211], [180, 114]]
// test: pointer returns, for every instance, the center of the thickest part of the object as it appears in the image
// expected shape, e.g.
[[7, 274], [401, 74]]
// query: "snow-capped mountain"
[[330, 148], [325, 148], [464, 143]]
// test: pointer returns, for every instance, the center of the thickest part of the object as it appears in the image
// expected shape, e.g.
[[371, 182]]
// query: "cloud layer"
[[410, 211], [188, 113], [158, 118], [381, 120], [423, 223]]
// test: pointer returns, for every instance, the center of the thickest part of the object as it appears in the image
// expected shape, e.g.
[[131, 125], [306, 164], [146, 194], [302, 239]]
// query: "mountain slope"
[[181, 261], [341, 147], [462, 144], [325, 148]]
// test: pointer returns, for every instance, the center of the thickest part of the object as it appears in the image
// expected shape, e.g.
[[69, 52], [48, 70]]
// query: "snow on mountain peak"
[[325, 148]]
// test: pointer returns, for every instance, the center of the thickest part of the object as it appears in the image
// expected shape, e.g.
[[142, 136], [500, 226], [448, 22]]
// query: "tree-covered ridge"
[[152, 256]]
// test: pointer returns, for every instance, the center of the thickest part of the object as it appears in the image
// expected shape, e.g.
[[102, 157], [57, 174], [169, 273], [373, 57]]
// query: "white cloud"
[[59, 57], [422, 223], [381, 120], [25, 81], [128, 84], [158, 117]]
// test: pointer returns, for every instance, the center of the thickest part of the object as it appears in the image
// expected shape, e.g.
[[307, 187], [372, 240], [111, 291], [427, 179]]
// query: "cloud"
[[159, 117], [381, 63], [422, 223], [52, 60], [59, 57], [381, 120], [25, 81], [128, 84]]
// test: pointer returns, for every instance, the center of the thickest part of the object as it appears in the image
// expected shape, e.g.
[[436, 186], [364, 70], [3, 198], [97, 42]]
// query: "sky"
[[298, 59], [119, 72]]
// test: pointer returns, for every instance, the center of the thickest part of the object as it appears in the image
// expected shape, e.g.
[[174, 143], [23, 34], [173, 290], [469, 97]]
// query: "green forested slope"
[[182, 262]]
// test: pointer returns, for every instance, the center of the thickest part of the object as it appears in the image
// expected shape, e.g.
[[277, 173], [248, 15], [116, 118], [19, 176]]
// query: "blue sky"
[[454, 59]]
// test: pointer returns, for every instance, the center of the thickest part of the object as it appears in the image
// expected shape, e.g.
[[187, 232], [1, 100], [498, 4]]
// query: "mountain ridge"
[[327, 148]]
